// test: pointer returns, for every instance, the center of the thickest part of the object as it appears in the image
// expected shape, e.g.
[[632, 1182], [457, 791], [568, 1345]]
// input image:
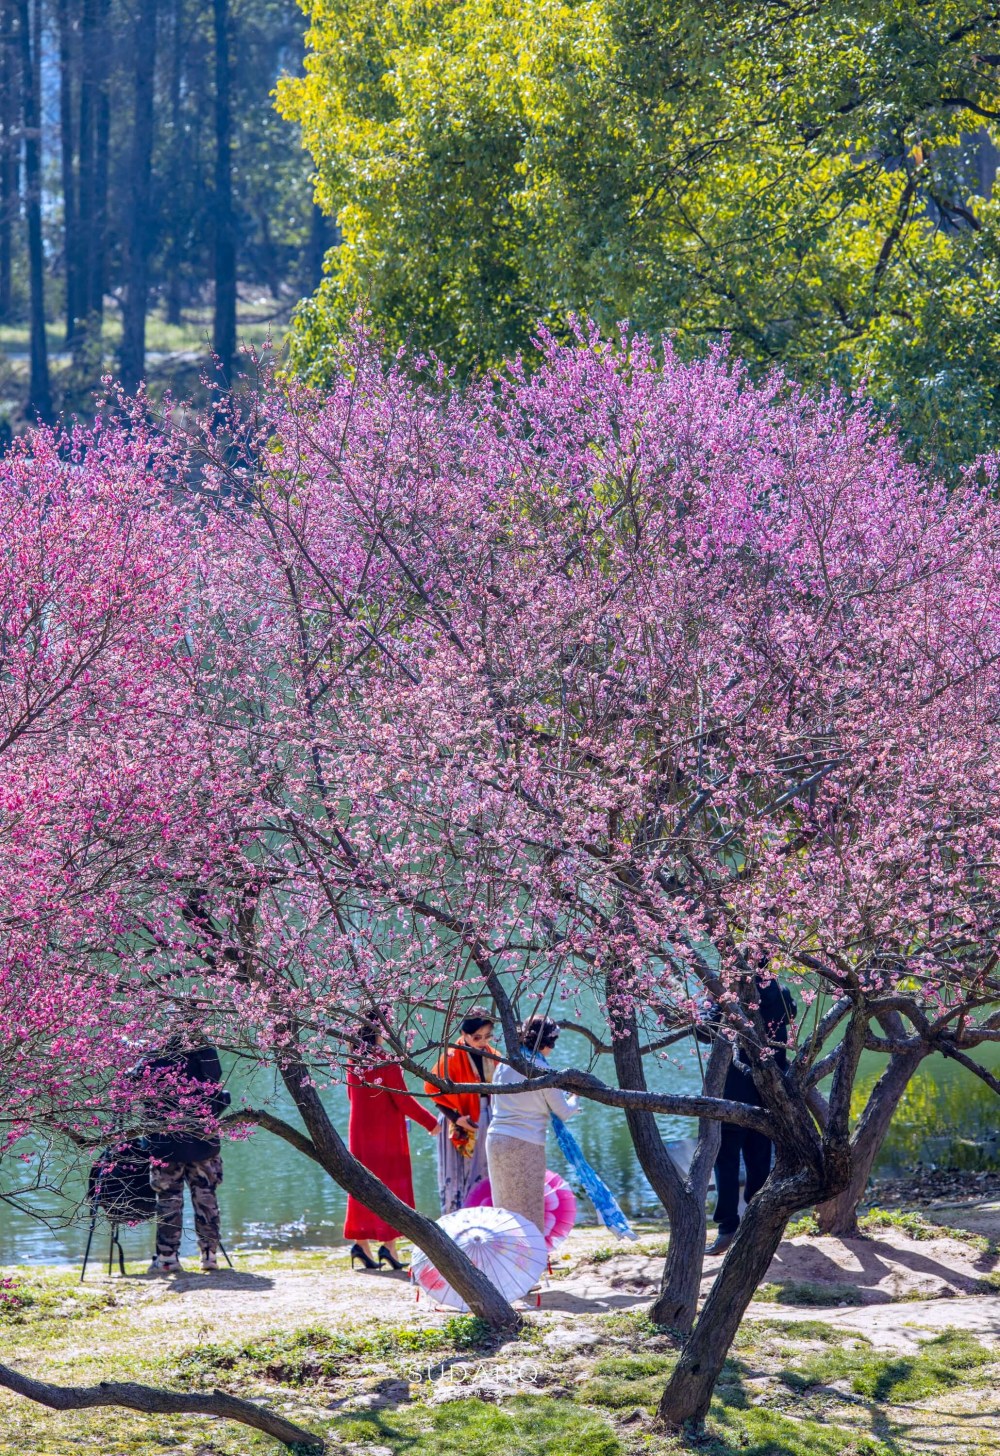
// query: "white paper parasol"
[[509, 1250]]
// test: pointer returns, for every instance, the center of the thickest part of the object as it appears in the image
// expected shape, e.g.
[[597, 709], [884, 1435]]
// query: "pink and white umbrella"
[[506, 1247], [560, 1207]]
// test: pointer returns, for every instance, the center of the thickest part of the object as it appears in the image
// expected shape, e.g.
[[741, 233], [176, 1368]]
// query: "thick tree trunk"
[[224, 326], [133, 349], [479, 1294], [40, 392], [839, 1215], [9, 108], [68, 153], [686, 1400]]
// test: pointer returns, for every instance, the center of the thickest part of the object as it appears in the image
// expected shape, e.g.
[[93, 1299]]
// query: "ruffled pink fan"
[[560, 1206]]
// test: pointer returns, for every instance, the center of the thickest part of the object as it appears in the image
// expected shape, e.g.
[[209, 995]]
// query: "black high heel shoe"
[[367, 1262], [384, 1257]]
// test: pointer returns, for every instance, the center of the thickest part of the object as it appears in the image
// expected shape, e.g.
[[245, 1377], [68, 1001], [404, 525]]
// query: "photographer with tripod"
[[186, 1098]]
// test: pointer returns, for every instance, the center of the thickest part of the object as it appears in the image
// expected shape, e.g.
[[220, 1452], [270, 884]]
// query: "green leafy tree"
[[811, 179]]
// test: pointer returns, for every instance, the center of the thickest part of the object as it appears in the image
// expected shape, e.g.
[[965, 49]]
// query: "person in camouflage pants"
[[185, 1147], [202, 1177]]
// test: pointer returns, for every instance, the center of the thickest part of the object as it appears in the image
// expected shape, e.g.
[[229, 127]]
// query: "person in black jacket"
[[187, 1094], [776, 1008]]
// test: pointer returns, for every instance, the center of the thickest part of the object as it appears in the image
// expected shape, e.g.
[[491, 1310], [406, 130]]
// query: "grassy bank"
[[356, 1358]]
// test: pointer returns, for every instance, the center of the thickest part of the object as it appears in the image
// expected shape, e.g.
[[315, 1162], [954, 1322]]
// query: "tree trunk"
[[683, 1198], [839, 1215], [686, 1400], [319, 241], [9, 106], [677, 1302], [173, 302], [84, 248], [68, 152], [149, 1398], [133, 349], [224, 326], [39, 392], [102, 142], [479, 1294]]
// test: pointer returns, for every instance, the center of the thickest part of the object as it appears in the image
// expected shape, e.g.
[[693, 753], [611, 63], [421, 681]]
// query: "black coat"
[[777, 1006], [183, 1144]]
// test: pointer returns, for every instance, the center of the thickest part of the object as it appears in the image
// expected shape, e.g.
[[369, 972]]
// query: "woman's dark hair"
[[476, 1020], [539, 1032], [369, 1031]]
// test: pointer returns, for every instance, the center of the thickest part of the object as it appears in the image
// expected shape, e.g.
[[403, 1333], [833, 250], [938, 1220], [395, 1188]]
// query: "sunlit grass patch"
[[762, 1432], [29, 1299], [914, 1225], [523, 1426], [300, 1357], [948, 1360]]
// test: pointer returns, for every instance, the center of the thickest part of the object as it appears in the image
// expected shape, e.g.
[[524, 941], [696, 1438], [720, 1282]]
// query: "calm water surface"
[[273, 1197]]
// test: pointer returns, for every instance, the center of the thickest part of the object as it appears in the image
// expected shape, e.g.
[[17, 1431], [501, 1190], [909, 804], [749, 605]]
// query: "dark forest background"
[[153, 206]]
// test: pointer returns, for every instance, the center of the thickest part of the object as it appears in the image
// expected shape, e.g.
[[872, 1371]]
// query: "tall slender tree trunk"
[[482, 1297], [39, 390], [133, 350], [224, 327], [10, 92], [315, 253], [84, 250], [102, 142], [67, 138], [173, 300]]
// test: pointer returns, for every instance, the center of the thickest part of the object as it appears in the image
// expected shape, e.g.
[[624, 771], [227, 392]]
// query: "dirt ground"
[[890, 1282]]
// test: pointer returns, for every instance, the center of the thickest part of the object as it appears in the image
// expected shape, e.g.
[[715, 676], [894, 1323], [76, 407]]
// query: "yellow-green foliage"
[[794, 175]]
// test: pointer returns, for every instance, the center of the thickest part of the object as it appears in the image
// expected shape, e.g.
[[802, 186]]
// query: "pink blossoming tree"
[[631, 676], [95, 576]]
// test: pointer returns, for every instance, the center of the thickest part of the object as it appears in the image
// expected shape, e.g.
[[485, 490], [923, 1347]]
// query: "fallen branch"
[[162, 1402]]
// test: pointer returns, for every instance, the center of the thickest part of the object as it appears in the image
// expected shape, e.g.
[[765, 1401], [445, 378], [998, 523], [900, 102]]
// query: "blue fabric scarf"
[[604, 1201]]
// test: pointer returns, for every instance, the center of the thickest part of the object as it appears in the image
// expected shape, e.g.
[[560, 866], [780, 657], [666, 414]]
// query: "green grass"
[[768, 1433], [952, 1359], [302, 1357], [523, 1426], [806, 1225], [802, 1292], [27, 1300], [634, 1325], [914, 1225], [622, 1382]]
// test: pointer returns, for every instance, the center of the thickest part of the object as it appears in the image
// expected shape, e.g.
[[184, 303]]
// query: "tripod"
[[116, 1243]]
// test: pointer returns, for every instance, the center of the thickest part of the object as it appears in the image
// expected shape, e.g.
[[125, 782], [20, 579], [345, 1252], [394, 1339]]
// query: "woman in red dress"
[[377, 1136]]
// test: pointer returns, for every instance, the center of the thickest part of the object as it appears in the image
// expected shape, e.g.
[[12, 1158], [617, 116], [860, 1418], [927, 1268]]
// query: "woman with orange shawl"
[[462, 1135]]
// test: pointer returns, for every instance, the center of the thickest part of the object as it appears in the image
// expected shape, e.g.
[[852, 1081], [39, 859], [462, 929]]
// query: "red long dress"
[[377, 1136]]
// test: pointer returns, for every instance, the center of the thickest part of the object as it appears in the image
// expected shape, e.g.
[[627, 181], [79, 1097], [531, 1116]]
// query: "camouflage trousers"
[[168, 1181]]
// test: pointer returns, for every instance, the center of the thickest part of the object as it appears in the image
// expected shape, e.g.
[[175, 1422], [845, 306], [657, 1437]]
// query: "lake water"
[[273, 1197]]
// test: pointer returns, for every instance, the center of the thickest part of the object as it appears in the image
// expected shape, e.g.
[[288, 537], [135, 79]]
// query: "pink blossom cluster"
[[630, 674], [627, 676]]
